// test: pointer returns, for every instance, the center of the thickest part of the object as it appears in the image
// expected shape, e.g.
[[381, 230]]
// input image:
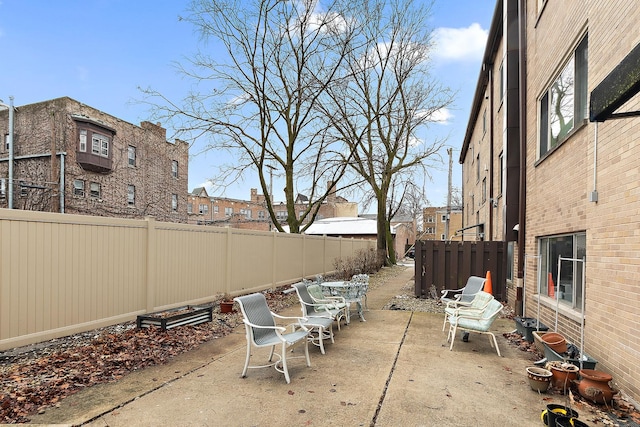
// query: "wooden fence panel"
[[448, 265]]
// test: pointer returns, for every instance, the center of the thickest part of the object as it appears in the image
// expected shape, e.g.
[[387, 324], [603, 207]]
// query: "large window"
[[174, 202], [564, 104], [228, 211], [564, 254], [174, 168], [100, 145]]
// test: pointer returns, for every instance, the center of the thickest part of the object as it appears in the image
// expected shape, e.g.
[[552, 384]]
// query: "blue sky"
[[100, 52]]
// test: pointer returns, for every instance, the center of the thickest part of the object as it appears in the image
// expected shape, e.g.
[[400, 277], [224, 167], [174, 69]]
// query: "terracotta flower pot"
[[594, 386], [226, 306], [564, 374], [555, 341]]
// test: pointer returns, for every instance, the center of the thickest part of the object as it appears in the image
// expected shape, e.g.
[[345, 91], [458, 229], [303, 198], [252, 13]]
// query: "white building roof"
[[341, 226]]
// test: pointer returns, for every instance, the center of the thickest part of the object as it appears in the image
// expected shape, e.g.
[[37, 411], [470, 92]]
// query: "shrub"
[[365, 261]]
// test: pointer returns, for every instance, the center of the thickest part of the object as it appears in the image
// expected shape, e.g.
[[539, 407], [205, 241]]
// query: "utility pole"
[[10, 147], [446, 225]]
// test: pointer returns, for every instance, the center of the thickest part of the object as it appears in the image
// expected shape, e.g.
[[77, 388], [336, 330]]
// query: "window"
[[3, 188], [260, 214], [567, 250], [203, 208], [431, 219], [83, 140], [501, 160], [478, 167], [6, 142], [174, 202], [501, 71], [228, 211], [132, 155], [484, 122], [443, 237], [131, 195], [430, 230], [443, 218], [484, 190], [510, 260], [189, 207], [94, 190], [174, 168], [564, 104], [281, 215], [216, 209], [78, 187], [100, 145]]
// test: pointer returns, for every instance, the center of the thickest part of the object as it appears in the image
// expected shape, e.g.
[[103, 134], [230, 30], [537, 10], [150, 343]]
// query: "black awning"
[[622, 83]]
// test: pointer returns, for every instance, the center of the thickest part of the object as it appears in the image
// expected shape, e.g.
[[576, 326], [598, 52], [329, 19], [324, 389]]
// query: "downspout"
[[491, 193], [61, 190], [11, 133], [523, 144]]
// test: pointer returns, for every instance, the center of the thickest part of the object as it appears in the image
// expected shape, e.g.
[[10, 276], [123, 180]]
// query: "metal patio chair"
[[474, 323], [262, 331]]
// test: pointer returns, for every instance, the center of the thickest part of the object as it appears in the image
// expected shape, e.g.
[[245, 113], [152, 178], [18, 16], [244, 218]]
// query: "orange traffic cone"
[[551, 287], [488, 287]]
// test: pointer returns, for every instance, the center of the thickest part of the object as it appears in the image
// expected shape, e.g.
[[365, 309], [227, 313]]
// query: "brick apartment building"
[[550, 165], [72, 158], [434, 225], [253, 214]]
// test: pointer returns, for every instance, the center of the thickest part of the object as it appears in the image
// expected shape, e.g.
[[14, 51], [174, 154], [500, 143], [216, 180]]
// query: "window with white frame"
[[260, 214], [203, 208], [174, 168], [216, 209], [100, 145], [78, 187], [189, 207], [478, 167], [131, 195], [484, 190], [443, 218], [131, 153], [228, 211], [562, 254], [3, 188], [430, 230], [83, 140], [95, 190], [174, 202], [430, 219], [564, 104]]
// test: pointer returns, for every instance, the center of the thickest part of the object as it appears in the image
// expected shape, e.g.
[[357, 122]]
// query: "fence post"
[[152, 264], [228, 254]]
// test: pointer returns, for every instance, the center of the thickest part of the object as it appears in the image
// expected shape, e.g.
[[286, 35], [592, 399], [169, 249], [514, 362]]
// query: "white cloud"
[[460, 44], [442, 116]]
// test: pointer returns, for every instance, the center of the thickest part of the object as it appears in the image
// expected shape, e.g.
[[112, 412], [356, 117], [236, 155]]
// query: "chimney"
[[331, 186]]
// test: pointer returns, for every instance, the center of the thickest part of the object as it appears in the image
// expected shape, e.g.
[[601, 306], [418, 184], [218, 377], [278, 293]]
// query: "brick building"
[[434, 225], [72, 158], [550, 165], [253, 214]]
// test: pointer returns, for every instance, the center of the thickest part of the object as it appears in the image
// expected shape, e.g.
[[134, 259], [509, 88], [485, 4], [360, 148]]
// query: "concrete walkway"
[[395, 369]]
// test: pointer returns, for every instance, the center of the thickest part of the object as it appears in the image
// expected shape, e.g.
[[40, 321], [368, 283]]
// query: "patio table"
[[352, 292]]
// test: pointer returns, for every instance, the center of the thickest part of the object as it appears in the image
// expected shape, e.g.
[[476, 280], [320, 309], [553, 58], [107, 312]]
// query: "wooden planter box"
[[187, 315]]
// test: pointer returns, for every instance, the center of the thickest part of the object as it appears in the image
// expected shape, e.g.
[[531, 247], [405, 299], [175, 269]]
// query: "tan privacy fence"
[[63, 274]]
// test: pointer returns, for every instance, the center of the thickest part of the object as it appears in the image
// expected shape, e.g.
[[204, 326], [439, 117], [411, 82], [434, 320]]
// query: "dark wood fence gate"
[[448, 265]]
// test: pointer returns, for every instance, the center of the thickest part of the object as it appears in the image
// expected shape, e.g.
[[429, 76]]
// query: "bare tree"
[[382, 112], [256, 93]]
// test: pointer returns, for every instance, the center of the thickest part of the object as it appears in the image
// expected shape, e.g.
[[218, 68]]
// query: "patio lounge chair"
[[262, 331], [475, 323], [475, 307], [464, 295]]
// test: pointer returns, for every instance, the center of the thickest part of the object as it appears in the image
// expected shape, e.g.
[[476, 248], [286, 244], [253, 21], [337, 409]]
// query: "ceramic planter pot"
[[555, 341], [539, 378], [226, 306], [594, 386], [564, 374]]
